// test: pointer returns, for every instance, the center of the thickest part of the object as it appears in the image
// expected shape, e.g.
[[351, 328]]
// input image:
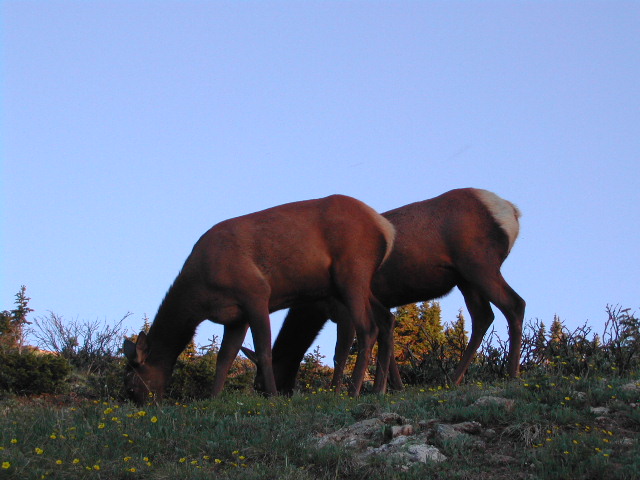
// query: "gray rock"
[[506, 403], [631, 387], [358, 435], [426, 453], [448, 433], [599, 410]]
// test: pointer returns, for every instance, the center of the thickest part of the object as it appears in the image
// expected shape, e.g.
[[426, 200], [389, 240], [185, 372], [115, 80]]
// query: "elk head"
[[143, 381]]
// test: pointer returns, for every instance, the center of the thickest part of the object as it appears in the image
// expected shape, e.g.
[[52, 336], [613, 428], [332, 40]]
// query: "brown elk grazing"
[[244, 268], [460, 238]]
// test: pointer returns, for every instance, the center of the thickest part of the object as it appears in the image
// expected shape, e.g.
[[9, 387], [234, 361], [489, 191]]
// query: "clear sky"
[[131, 127]]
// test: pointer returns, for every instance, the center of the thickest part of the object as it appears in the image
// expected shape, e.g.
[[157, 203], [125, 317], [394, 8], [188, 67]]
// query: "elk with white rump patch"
[[460, 238]]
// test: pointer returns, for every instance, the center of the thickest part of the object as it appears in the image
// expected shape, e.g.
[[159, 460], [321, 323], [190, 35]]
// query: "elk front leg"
[[261, 331], [232, 339]]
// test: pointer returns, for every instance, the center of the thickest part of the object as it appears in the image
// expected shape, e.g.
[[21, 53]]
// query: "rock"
[[393, 419], [626, 442], [631, 387], [489, 433], [398, 430], [579, 395], [599, 410], [400, 440], [358, 435], [446, 433], [372, 430], [426, 453], [394, 437], [406, 453], [472, 428], [506, 403], [501, 459], [427, 424]]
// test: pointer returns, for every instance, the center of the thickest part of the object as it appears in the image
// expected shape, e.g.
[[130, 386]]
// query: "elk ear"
[[129, 349], [137, 352], [250, 354]]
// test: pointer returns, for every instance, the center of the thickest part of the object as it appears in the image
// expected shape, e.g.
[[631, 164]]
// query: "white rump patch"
[[503, 211], [389, 232]]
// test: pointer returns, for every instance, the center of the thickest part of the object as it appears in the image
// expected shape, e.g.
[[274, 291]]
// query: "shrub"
[[579, 352], [193, 376], [30, 373], [90, 346], [313, 374]]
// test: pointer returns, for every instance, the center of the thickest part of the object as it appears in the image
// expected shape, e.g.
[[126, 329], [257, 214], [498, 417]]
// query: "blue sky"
[[131, 127]]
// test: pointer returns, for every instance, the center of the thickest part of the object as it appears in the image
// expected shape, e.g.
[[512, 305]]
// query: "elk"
[[244, 268], [460, 238]]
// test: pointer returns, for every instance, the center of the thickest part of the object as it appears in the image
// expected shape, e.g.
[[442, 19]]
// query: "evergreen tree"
[[540, 344], [406, 332], [456, 337], [431, 317], [12, 323], [557, 330], [146, 325], [418, 328], [190, 351]]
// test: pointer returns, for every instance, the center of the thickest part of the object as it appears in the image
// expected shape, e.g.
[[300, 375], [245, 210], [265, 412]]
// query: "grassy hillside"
[[556, 427]]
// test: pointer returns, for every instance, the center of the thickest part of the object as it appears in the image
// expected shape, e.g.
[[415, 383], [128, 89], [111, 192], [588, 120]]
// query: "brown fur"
[[451, 240], [244, 268]]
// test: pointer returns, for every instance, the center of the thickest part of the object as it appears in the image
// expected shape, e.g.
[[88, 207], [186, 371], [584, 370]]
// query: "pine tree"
[[406, 332], [431, 317], [190, 351], [456, 337], [540, 344], [418, 328], [146, 325], [557, 330], [12, 323]]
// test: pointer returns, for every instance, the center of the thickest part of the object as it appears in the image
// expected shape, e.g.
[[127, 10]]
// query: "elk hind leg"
[[481, 319], [496, 290], [385, 322], [345, 335]]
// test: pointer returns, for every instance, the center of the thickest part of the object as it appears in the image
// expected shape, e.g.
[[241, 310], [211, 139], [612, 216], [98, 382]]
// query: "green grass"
[[550, 433]]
